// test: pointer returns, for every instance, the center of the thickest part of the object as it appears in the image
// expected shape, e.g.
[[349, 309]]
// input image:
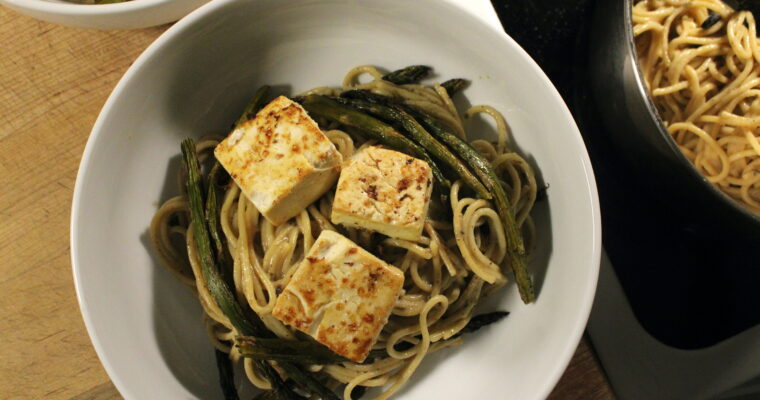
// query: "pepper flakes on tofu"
[[280, 159], [384, 191], [341, 295]]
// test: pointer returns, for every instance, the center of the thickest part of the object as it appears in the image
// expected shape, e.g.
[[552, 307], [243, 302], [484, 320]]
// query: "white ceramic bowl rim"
[[584, 303], [86, 9]]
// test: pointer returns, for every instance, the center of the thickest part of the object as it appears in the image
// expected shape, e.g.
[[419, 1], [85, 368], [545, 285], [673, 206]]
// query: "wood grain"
[[583, 378], [53, 82]]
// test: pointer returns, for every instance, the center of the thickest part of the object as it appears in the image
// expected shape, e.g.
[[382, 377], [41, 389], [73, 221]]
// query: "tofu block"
[[341, 295], [280, 159], [383, 191]]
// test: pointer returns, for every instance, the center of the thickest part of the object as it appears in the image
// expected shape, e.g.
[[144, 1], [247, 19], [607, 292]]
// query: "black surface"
[[689, 287]]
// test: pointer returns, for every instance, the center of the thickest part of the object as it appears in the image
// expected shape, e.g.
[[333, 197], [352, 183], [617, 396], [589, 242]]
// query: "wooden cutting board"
[[53, 82]]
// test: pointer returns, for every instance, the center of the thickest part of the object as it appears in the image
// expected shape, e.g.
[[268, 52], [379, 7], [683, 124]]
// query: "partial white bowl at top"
[[127, 15], [194, 81]]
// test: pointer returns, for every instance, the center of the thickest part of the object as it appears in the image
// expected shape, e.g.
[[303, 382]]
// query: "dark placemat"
[[688, 288]]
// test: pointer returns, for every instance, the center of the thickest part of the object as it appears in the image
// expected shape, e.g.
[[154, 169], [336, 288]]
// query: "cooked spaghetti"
[[701, 62], [460, 258]]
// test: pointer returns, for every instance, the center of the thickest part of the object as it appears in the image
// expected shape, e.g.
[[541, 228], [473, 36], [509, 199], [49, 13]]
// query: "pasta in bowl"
[[197, 79], [434, 266]]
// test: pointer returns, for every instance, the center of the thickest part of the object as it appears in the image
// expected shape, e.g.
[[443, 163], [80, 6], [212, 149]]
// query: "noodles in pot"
[[701, 62], [446, 270]]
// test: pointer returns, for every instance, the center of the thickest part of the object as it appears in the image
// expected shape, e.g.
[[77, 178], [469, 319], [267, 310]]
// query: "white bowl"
[[196, 78], [128, 15]]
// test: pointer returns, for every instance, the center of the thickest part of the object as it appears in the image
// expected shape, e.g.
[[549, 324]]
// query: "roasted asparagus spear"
[[454, 86], [410, 74], [223, 295], [423, 138], [372, 127]]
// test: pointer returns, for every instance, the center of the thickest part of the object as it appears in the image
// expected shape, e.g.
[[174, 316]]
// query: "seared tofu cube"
[[383, 191], [341, 295], [280, 159]]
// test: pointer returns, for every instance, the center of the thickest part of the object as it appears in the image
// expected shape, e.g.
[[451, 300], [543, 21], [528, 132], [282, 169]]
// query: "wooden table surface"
[[53, 82]]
